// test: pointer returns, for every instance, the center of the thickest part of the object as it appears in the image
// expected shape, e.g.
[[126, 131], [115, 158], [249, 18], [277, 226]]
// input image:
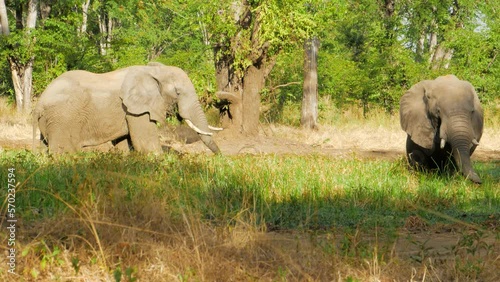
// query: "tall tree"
[[4, 21], [21, 57], [309, 112], [85, 13], [432, 27], [106, 26], [246, 37]]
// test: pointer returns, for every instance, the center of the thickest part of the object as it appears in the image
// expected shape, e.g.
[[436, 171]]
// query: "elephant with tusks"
[[82, 109], [443, 120]]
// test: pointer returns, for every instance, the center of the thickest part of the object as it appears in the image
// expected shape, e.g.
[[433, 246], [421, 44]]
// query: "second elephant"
[[444, 122], [80, 109]]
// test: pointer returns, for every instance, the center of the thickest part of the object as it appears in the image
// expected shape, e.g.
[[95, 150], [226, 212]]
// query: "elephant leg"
[[416, 155], [123, 144], [61, 143], [143, 134]]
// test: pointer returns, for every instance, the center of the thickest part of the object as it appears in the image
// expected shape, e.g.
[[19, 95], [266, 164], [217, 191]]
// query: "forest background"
[[370, 52]]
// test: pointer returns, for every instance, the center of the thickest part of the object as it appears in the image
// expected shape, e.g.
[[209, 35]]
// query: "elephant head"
[[443, 117], [155, 88]]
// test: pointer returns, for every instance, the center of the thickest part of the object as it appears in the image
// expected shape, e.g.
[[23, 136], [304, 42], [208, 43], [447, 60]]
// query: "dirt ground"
[[360, 140], [364, 141]]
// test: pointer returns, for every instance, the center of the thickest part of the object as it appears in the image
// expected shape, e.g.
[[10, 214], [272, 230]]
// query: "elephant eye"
[[177, 92]]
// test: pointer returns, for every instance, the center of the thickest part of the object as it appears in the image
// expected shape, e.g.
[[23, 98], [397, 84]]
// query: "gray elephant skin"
[[81, 109], [444, 122]]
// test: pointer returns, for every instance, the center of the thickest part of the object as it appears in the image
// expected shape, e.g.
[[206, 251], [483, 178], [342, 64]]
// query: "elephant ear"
[[413, 115], [477, 116], [141, 93]]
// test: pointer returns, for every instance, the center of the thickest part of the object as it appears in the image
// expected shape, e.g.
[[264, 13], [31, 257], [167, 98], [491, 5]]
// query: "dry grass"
[[13, 125], [9, 115], [347, 137], [103, 237], [348, 130], [189, 251]]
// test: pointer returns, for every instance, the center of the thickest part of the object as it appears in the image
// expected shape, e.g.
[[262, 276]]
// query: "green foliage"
[[368, 56], [19, 45], [467, 28], [365, 63], [284, 87], [255, 30], [475, 59], [284, 24], [62, 49], [6, 88], [49, 257], [129, 274]]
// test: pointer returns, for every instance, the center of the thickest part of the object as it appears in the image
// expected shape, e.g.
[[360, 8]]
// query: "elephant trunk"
[[461, 140], [196, 119]]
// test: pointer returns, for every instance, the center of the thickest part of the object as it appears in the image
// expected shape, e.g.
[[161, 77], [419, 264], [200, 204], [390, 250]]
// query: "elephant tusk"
[[474, 141], [215, 128], [443, 142], [199, 131]]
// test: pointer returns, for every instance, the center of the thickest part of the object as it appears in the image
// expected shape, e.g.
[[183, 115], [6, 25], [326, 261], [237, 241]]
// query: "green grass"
[[281, 191], [198, 217]]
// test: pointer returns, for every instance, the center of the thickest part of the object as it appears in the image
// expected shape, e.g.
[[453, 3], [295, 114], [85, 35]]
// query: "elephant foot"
[[472, 176]]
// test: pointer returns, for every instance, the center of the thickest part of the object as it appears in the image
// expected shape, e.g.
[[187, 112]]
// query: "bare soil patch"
[[359, 140], [362, 141]]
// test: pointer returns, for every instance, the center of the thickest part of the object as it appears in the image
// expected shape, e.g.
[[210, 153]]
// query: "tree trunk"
[[253, 82], [4, 21], [22, 79], [45, 9], [229, 91], [105, 28], [433, 37], [85, 11], [32, 14], [19, 17], [432, 46], [447, 58], [240, 114], [243, 97], [22, 72], [18, 83], [109, 32], [309, 113], [421, 47], [239, 90], [441, 58]]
